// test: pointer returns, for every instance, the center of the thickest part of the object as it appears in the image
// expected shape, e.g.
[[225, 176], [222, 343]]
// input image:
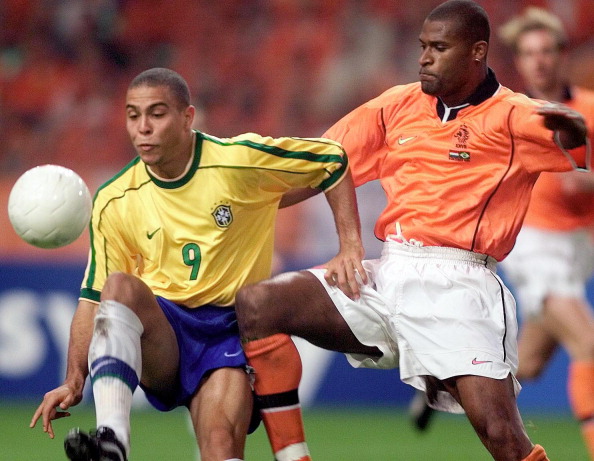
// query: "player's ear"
[[189, 115], [479, 50]]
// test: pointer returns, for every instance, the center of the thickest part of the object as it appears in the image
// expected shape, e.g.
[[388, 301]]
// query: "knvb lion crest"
[[462, 136], [223, 216]]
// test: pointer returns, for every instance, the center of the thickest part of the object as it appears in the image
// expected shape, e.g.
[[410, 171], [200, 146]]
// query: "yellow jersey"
[[197, 240]]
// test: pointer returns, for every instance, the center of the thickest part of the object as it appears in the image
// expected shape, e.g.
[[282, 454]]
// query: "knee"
[[123, 288], [219, 443], [504, 440], [498, 432], [529, 369], [251, 303], [587, 347]]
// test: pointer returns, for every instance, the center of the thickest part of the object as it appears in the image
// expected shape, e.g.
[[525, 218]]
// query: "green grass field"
[[333, 435]]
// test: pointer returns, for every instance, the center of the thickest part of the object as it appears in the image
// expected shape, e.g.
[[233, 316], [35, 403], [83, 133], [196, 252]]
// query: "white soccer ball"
[[49, 206]]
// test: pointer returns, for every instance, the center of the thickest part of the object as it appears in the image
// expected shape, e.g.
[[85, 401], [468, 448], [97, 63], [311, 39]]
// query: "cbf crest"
[[223, 215]]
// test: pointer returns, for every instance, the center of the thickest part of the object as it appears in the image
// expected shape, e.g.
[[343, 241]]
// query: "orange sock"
[[537, 454], [277, 366], [580, 387]]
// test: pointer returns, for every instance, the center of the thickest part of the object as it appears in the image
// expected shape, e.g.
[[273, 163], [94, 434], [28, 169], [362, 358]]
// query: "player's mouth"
[[423, 76], [146, 147]]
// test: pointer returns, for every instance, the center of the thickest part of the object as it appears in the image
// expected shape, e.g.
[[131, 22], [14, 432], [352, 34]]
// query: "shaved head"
[[470, 17], [167, 78]]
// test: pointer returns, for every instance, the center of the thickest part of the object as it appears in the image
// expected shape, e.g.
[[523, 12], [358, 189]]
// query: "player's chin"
[[150, 158], [429, 87]]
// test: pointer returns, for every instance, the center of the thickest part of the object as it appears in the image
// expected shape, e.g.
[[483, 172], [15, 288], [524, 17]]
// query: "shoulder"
[[513, 98], [398, 95], [132, 176], [506, 104]]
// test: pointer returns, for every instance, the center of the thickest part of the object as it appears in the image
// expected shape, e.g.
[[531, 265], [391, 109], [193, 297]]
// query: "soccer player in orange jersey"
[[554, 254], [457, 155]]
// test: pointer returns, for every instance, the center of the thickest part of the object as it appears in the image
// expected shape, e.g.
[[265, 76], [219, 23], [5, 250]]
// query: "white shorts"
[[434, 311], [547, 262]]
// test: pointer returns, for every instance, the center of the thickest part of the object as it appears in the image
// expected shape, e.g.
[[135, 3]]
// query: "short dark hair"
[[472, 19], [159, 76]]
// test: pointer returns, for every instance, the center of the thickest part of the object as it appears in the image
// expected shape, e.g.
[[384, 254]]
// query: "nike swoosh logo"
[[479, 362], [232, 355], [402, 140], [152, 234]]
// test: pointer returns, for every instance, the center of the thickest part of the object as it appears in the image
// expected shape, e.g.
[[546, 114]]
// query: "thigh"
[[490, 405], [571, 322], [535, 348], [221, 411], [160, 354], [296, 303]]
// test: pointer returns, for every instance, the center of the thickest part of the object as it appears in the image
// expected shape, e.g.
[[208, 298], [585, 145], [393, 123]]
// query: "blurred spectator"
[[283, 67]]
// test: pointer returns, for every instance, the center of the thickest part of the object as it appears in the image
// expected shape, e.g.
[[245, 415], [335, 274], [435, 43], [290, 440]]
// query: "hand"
[[58, 399], [569, 123], [342, 270]]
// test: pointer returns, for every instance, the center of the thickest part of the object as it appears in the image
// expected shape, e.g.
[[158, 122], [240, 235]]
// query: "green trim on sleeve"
[[280, 152], [336, 176], [90, 294], [92, 264], [301, 155]]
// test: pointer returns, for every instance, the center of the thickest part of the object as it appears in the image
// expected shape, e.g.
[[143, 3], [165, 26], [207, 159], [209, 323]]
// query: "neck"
[[177, 168], [462, 96]]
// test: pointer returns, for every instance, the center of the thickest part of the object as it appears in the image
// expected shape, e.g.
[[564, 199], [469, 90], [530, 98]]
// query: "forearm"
[[81, 331], [343, 203]]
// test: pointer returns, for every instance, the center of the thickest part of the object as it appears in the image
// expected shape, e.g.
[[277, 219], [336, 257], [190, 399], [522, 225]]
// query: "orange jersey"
[[462, 183], [552, 207]]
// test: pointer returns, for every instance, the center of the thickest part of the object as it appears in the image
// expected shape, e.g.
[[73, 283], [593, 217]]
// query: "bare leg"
[[290, 304], [571, 322], [158, 343], [221, 412], [490, 405], [535, 348], [131, 340], [297, 304]]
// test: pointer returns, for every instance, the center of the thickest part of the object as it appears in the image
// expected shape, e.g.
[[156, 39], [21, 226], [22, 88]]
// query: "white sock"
[[115, 365]]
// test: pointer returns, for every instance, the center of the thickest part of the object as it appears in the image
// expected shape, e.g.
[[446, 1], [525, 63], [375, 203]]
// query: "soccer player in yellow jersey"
[[457, 155], [554, 254], [174, 235]]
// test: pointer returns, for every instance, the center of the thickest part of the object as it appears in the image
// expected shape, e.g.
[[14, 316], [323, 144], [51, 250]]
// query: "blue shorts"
[[208, 339]]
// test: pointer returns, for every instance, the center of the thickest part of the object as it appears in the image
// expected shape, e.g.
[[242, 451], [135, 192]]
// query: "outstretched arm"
[[70, 393], [569, 124], [342, 269]]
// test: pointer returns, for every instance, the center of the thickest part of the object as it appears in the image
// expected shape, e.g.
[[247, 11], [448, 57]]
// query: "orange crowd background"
[[276, 67]]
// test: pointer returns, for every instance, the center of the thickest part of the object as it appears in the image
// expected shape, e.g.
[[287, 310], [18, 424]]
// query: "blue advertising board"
[[37, 302]]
